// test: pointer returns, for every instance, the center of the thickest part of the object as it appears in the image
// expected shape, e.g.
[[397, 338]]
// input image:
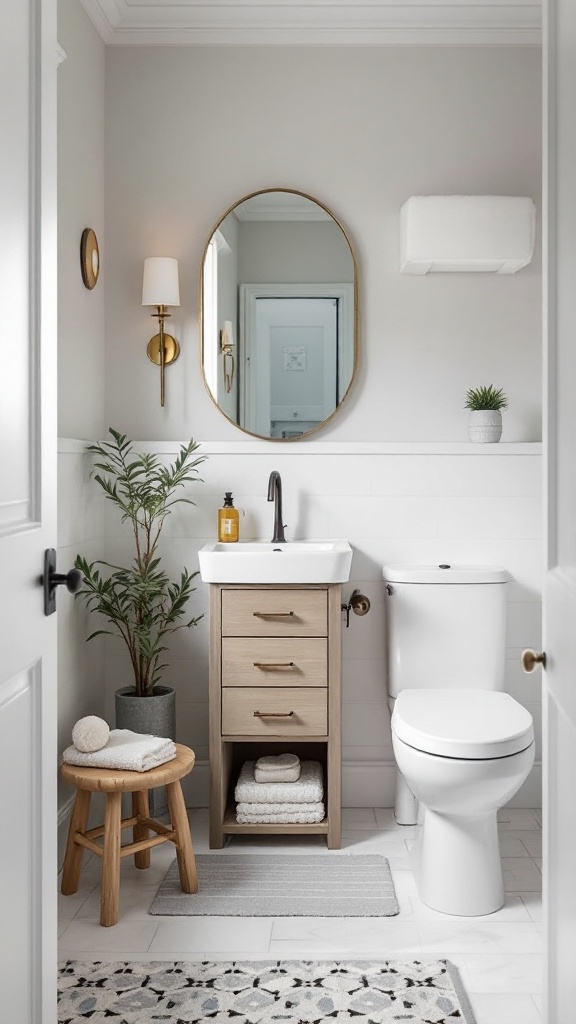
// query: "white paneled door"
[[27, 510], [560, 590]]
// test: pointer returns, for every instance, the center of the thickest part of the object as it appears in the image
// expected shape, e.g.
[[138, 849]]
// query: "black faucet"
[[275, 495]]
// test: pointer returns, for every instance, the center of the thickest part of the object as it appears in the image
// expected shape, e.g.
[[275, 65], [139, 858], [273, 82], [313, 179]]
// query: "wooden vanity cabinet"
[[275, 685]]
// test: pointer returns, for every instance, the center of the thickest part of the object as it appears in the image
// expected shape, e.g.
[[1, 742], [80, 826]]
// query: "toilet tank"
[[446, 626]]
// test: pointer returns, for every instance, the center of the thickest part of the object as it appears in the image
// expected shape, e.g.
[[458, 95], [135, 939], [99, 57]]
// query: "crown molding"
[[313, 23]]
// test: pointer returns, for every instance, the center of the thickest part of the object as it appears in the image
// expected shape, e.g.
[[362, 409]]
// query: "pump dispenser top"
[[228, 520]]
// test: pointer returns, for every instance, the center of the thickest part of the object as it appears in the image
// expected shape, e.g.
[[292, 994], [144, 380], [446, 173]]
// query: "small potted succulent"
[[138, 602], [485, 419]]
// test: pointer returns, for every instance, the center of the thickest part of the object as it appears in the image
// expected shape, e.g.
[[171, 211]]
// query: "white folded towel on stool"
[[277, 768], [289, 814], [308, 789], [125, 751]]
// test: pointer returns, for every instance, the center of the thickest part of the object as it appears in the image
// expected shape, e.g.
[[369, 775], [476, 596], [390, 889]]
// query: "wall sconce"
[[160, 288], [227, 350]]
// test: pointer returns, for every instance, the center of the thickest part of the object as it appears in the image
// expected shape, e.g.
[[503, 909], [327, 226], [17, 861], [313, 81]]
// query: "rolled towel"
[[125, 750], [277, 768], [308, 789], [287, 817], [278, 762], [90, 733]]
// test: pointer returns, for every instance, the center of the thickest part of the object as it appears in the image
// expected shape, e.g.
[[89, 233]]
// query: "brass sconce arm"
[[162, 349]]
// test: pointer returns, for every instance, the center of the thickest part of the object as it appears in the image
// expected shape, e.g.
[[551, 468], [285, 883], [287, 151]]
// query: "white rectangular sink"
[[305, 561]]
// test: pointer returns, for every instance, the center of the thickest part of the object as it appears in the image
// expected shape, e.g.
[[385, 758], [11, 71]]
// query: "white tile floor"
[[499, 956]]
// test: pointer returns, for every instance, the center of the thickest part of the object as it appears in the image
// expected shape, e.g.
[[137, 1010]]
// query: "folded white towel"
[[278, 808], [278, 762], [308, 789], [125, 750], [287, 775], [288, 817]]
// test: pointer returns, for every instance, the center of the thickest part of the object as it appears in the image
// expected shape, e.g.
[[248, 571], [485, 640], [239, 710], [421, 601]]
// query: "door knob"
[[52, 579], [532, 658]]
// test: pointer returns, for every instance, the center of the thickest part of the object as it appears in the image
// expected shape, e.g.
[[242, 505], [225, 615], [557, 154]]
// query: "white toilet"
[[462, 745]]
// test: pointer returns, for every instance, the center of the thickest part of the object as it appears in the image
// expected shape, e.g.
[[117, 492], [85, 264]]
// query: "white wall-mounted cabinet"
[[466, 233]]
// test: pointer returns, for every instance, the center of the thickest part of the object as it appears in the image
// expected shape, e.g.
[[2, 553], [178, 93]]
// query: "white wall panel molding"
[[245, 22], [71, 446]]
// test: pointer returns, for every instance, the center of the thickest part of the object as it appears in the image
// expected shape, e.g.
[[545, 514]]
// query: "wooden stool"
[[113, 784]]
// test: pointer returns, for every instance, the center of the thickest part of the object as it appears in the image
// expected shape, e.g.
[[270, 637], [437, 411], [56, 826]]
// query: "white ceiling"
[[317, 22]]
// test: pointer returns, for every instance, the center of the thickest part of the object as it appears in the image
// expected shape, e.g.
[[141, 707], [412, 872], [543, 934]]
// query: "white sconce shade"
[[227, 335], [466, 233], [160, 285]]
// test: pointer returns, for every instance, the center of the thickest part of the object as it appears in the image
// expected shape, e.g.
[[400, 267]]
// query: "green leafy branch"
[[140, 603]]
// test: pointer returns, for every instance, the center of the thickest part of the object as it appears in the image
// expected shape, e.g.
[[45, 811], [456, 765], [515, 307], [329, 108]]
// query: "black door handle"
[[52, 579]]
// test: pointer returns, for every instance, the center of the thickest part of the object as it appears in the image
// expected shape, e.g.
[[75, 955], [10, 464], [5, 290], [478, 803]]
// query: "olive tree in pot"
[[140, 603], [485, 419]]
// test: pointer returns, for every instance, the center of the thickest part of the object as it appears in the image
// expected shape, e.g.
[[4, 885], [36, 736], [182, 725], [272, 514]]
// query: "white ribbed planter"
[[485, 425]]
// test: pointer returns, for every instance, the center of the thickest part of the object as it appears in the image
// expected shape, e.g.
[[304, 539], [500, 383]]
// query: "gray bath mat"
[[263, 992], [276, 885]]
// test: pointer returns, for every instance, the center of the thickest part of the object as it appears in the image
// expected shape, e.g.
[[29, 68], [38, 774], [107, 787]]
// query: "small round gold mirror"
[[278, 314]]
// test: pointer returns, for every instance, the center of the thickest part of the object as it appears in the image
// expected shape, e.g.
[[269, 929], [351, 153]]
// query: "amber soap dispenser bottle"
[[228, 520]]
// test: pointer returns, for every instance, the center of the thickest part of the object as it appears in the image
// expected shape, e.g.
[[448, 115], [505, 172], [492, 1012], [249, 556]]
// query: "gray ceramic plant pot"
[[155, 715], [485, 425]]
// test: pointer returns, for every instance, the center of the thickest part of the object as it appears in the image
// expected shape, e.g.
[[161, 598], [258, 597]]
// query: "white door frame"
[[248, 296], [28, 721], [559, 691]]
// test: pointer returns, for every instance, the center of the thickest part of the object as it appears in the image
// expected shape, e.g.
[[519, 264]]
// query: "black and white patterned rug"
[[262, 992]]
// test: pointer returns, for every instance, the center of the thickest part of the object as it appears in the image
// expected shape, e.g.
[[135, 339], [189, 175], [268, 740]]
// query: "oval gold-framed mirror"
[[278, 314]]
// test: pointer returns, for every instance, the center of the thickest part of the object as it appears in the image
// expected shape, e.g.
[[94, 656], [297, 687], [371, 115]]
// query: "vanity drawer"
[[274, 661], [290, 711], [274, 612]]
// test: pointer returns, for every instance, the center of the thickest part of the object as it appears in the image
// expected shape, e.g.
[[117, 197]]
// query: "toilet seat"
[[466, 724]]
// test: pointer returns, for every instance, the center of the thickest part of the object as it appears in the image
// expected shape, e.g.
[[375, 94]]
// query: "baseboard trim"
[[368, 783], [65, 811], [63, 821], [364, 784], [196, 785]]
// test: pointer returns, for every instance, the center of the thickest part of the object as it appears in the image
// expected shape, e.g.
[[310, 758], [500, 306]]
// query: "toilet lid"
[[468, 724]]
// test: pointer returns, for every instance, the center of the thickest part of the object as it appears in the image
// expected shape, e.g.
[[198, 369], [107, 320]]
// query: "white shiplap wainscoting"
[[395, 502]]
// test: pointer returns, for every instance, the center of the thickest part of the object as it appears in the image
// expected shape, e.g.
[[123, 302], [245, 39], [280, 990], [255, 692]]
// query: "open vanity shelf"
[[275, 667]]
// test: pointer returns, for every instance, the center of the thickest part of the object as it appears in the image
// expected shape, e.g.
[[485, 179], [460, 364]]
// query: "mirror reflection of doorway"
[[291, 349]]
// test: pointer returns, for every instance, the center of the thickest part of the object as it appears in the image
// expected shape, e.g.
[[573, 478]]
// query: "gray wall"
[[189, 131], [192, 130]]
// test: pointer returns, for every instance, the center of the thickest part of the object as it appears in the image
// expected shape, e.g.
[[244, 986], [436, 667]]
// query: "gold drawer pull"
[[273, 664], [272, 615], [273, 714]]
